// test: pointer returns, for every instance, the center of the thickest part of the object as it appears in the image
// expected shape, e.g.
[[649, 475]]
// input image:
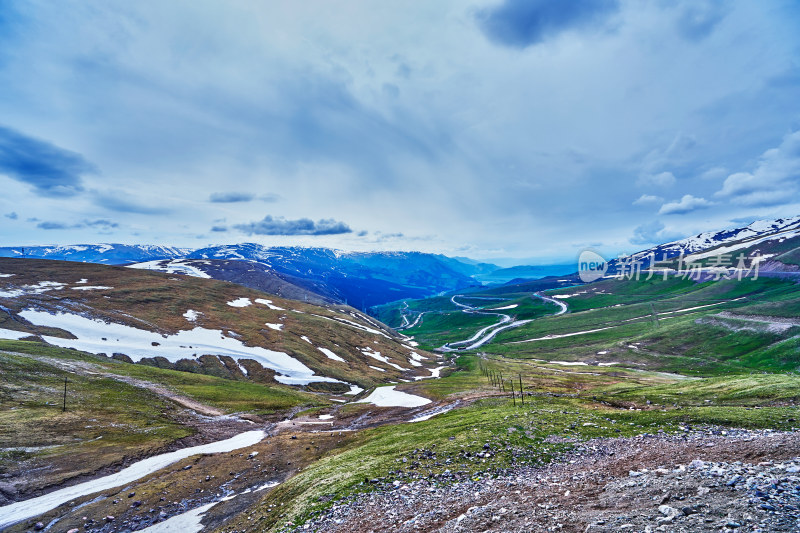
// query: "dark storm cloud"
[[304, 226], [522, 23], [50, 170]]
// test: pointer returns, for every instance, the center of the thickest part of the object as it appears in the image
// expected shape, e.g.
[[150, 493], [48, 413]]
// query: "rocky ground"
[[701, 480]]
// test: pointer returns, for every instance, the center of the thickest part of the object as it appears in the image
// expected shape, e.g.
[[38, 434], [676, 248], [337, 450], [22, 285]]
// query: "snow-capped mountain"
[[362, 279], [108, 254], [732, 239]]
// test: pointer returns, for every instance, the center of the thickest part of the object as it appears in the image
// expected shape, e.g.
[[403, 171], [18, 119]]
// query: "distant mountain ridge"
[[743, 236], [107, 254], [362, 279]]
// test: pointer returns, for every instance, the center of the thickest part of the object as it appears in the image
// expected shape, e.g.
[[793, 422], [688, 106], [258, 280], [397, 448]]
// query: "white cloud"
[[646, 199], [663, 179], [714, 173], [653, 233], [774, 180], [687, 204]]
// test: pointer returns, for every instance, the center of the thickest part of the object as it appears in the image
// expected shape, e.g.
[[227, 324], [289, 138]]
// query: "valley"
[[264, 413]]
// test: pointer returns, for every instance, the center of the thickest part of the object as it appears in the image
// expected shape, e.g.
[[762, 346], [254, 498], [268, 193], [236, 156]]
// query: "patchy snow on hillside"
[[417, 357], [352, 324], [389, 397], [512, 306], [354, 389], [174, 266], [276, 327], [39, 288], [191, 315], [331, 355], [13, 335], [92, 288], [96, 336], [240, 302], [268, 303], [19, 511], [306, 339]]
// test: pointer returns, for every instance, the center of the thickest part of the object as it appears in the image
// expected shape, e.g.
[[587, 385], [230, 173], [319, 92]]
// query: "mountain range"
[[367, 279]]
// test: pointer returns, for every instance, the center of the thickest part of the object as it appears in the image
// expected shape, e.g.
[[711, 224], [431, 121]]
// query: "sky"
[[513, 130]]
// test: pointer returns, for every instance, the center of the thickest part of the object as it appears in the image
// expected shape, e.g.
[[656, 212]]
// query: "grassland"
[[576, 407], [115, 411]]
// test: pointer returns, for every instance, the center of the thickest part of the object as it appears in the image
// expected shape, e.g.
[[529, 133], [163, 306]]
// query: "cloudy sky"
[[486, 128]]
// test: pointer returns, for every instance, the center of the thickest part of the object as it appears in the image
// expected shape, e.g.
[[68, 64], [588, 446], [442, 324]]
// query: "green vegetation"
[[546, 426], [225, 394]]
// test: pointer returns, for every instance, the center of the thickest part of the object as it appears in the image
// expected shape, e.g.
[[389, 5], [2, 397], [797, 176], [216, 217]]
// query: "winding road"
[[488, 333]]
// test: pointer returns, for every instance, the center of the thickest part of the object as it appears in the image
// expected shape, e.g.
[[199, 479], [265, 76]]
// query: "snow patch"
[[17, 512], [331, 355], [354, 389], [276, 327], [389, 397], [268, 303], [512, 306], [240, 302], [39, 288], [175, 266], [13, 335], [96, 336]]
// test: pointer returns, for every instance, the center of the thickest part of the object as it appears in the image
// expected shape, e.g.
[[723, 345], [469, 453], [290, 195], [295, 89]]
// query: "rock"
[[39, 526], [734, 480], [109, 518], [667, 510]]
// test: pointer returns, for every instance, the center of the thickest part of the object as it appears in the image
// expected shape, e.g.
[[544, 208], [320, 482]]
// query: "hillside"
[[361, 279], [187, 322]]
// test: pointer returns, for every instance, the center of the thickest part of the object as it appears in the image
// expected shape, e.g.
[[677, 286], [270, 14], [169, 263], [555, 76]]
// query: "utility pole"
[[655, 315], [521, 396]]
